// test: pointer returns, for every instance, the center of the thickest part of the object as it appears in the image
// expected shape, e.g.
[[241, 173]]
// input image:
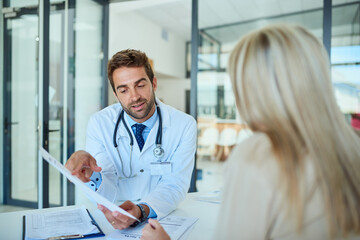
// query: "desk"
[[11, 222]]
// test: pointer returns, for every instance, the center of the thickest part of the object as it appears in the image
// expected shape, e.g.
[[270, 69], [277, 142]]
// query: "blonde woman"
[[298, 176]]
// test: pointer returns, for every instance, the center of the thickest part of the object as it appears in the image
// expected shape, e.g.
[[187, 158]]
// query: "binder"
[[100, 233]]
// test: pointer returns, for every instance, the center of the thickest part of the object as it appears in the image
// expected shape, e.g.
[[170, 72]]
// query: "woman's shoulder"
[[254, 155], [253, 149]]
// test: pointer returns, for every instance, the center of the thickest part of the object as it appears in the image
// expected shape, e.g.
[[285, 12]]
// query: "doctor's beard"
[[143, 114]]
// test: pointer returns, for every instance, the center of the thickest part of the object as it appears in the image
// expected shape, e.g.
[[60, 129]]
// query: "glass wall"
[[76, 72], [220, 126], [88, 85], [345, 59], [56, 100]]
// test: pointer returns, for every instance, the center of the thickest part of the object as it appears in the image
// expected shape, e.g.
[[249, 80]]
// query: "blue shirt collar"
[[148, 123]]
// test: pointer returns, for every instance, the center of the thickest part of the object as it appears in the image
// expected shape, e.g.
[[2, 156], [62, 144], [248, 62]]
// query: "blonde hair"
[[281, 81]]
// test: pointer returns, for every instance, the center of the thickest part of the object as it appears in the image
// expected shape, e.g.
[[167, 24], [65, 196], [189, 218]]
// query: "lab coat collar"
[[164, 114]]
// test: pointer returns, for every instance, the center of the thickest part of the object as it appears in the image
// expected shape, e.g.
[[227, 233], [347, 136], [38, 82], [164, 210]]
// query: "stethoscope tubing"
[[157, 142]]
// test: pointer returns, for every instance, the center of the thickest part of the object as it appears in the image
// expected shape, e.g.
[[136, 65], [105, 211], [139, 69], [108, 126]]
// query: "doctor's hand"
[[154, 231], [82, 165], [121, 221]]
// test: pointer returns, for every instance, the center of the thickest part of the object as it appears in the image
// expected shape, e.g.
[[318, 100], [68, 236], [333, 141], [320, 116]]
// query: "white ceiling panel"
[[268, 8], [175, 15], [311, 4], [288, 6], [336, 2], [218, 8]]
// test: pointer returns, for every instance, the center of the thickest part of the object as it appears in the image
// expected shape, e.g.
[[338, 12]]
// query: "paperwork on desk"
[[177, 227], [78, 183], [59, 223], [210, 197]]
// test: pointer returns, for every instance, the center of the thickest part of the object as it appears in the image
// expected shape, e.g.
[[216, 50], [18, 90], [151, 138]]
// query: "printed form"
[[177, 227], [59, 223]]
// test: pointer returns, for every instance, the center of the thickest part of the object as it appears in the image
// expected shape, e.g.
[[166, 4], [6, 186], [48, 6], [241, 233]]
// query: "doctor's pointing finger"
[[82, 165]]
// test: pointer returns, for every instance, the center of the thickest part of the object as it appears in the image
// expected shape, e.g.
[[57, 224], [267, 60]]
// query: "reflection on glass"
[[88, 62], [23, 3], [56, 83], [345, 59], [24, 31]]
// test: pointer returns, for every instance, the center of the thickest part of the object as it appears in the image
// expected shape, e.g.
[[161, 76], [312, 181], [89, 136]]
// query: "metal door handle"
[[6, 123], [54, 130]]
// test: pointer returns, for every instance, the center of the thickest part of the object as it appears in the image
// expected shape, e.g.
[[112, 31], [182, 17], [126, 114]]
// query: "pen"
[[66, 237]]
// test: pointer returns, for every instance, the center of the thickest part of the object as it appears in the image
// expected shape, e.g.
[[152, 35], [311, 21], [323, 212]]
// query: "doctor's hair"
[[281, 80], [129, 58]]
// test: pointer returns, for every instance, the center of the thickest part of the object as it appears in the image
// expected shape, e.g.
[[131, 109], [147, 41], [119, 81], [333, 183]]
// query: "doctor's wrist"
[[144, 209], [143, 214]]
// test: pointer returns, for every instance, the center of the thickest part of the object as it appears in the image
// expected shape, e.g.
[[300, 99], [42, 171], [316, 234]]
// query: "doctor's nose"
[[134, 96]]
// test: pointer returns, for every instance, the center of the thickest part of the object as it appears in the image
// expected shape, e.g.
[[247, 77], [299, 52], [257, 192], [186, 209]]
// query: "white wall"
[[172, 92], [131, 30]]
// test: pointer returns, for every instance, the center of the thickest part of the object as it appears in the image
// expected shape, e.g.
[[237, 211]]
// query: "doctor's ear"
[[154, 83], [115, 95]]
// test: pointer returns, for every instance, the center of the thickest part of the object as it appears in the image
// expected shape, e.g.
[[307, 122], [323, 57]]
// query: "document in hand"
[[73, 223], [78, 183]]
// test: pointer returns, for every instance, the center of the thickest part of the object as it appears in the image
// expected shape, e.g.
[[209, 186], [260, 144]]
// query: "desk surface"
[[11, 222]]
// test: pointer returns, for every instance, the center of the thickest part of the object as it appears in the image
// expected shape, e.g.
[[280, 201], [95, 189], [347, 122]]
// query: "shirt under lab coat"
[[161, 192]]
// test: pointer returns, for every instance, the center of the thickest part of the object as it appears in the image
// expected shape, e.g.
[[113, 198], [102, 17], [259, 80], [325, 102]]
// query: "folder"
[[58, 225]]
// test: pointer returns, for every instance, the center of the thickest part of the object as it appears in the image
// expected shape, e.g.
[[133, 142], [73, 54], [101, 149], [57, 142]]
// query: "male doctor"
[[151, 177]]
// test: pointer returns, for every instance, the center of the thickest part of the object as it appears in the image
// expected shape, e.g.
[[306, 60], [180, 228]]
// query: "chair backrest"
[[209, 137], [227, 137], [243, 134]]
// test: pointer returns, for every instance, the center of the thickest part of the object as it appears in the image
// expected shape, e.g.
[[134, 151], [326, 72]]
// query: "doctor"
[[140, 152]]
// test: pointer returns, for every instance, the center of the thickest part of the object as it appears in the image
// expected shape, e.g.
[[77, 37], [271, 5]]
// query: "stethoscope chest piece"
[[158, 151]]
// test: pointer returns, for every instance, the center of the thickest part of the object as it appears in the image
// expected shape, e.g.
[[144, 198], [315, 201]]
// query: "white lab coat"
[[161, 193]]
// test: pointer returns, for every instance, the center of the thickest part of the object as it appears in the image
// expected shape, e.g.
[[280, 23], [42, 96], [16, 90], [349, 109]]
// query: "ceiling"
[[175, 15]]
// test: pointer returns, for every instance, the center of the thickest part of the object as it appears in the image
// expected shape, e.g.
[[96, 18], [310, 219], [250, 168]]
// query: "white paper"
[[175, 226], [210, 197], [59, 223], [82, 186]]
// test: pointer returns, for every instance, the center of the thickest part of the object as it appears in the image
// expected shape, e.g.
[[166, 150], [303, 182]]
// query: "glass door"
[[21, 107], [22, 101]]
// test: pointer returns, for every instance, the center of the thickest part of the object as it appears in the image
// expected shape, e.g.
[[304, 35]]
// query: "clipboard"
[[100, 233]]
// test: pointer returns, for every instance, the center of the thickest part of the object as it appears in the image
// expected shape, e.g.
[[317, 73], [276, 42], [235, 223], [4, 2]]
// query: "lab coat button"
[[141, 170]]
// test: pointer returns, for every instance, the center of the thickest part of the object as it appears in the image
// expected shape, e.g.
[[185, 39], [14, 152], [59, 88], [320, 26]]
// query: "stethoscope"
[[158, 150]]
